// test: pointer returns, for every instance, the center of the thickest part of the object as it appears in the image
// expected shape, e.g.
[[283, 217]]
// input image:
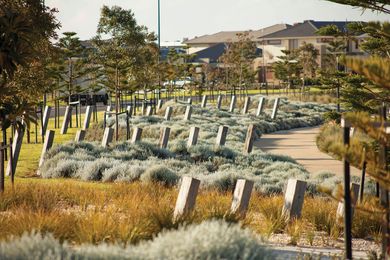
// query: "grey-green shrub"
[[208, 240]]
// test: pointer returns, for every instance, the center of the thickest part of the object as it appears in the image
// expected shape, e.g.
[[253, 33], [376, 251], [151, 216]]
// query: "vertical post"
[[204, 101], [186, 199], [261, 106], [168, 113], [293, 199], [129, 110], [136, 135], [275, 109], [246, 105], [108, 136], [189, 101], [250, 139], [241, 197], [159, 105], [87, 119], [363, 177], [45, 121], [11, 163], [354, 190], [2, 177], [67, 117], [219, 102], [49, 138], [164, 137], [232, 104], [187, 115], [80, 136], [347, 195], [221, 137], [193, 138], [16, 147], [149, 111]]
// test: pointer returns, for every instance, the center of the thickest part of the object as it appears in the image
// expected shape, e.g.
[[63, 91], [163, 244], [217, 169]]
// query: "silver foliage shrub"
[[208, 240]]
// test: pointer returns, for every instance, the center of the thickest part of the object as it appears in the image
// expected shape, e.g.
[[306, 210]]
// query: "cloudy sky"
[[189, 18]]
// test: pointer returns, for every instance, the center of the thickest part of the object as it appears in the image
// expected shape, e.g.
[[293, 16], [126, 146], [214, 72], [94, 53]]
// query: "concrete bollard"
[[275, 109], [241, 197], [149, 111], [193, 138], [159, 105], [164, 137], [354, 198], [188, 113], [108, 136], [137, 134], [260, 108], [204, 101], [45, 119], [48, 143], [222, 134], [16, 147], [168, 113], [246, 105], [250, 139], [87, 119], [219, 102], [232, 104], [189, 101], [80, 136], [65, 123], [186, 199], [293, 199]]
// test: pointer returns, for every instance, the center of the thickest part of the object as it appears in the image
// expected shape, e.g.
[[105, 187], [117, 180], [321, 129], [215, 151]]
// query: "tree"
[[118, 53], [307, 56], [376, 5], [26, 30], [288, 68]]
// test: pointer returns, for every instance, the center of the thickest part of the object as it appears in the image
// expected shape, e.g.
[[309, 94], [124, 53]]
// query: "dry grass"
[[81, 212]]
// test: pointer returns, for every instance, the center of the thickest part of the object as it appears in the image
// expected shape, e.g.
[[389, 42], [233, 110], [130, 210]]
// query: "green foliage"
[[377, 5]]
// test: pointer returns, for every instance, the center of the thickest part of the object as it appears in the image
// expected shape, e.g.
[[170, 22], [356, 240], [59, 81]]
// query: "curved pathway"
[[300, 144]]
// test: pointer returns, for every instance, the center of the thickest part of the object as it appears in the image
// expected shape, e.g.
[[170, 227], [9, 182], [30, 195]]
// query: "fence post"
[[168, 113], [149, 111], [164, 137], [45, 121], [136, 135], [108, 136], [204, 101], [293, 199], [188, 113], [250, 139], [275, 109], [49, 138], [221, 136], [261, 106], [87, 119], [246, 105], [65, 123], [159, 105], [193, 138], [241, 197], [80, 136], [354, 198], [2, 177], [186, 199], [232, 104], [219, 102], [16, 147]]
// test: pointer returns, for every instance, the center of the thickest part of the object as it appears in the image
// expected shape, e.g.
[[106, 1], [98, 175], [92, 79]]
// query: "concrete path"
[[300, 144]]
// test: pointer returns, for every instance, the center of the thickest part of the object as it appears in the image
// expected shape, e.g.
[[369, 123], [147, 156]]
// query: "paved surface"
[[300, 144]]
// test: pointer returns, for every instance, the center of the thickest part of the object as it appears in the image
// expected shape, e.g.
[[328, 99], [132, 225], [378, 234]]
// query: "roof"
[[212, 53], [231, 36], [306, 29]]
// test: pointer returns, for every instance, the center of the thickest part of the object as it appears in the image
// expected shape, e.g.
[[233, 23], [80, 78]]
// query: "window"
[[274, 42], [293, 44]]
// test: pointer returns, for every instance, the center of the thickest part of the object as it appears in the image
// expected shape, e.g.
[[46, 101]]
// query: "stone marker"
[[149, 111], [189, 101], [143, 109], [108, 136], [80, 136], [354, 198], [293, 199], [65, 123], [186, 199], [221, 137], [275, 109], [241, 197], [188, 113], [193, 138], [16, 147], [250, 139], [261, 106], [159, 105], [164, 137], [137, 134], [219, 102], [87, 119], [246, 105], [168, 113], [232, 104], [204, 101], [46, 116], [47, 144]]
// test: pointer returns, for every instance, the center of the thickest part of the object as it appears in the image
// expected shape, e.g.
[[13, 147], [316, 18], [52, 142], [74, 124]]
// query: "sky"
[[189, 18]]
